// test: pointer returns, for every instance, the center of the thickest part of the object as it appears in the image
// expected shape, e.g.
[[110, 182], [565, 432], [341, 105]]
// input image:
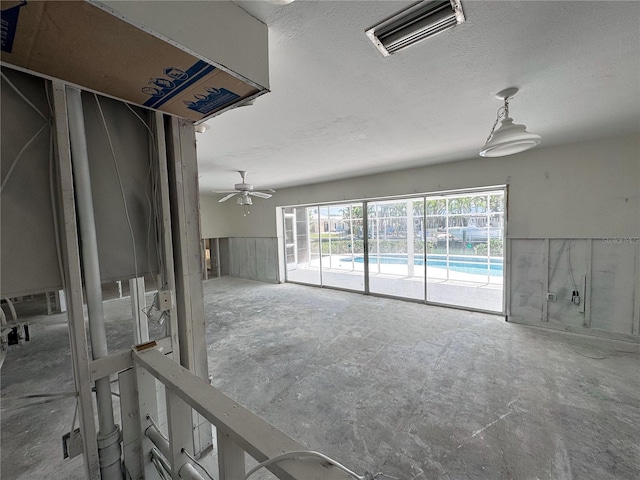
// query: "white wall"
[[213, 218], [587, 190], [227, 219]]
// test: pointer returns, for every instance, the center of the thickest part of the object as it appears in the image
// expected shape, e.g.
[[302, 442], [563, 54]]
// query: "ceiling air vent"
[[420, 21]]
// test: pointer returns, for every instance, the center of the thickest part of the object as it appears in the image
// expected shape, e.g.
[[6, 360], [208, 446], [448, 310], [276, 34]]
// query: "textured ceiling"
[[338, 109]]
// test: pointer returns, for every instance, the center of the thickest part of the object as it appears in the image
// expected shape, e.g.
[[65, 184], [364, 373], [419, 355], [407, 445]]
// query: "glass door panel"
[[342, 246], [465, 268], [396, 248], [302, 247]]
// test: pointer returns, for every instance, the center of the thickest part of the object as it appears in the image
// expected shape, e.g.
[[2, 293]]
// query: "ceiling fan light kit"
[[510, 137], [244, 200]]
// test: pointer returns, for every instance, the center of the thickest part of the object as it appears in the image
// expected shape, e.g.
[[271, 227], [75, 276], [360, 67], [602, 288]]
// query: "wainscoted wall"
[[592, 283], [584, 192], [254, 258]]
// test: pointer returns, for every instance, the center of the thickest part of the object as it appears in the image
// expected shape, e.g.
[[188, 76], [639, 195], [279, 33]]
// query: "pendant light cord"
[[503, 112]]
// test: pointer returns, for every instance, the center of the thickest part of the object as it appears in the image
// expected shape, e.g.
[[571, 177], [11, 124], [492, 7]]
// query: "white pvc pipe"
[[188, 472], [108, 435], [12, 309], [155, 454], [159, 441]]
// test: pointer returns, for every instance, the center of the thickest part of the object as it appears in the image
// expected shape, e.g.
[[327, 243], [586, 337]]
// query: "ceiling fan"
[[245, 191]]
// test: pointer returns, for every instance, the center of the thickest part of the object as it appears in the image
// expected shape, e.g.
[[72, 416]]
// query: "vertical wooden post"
[[179, 414], [231, 464], [130, 414], [73, 286], [168, 280], [185, 213], [147, 405]]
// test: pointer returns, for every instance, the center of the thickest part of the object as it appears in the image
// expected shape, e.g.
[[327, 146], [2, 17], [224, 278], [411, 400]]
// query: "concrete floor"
[[31, 431], [381, 385], [424, 392]]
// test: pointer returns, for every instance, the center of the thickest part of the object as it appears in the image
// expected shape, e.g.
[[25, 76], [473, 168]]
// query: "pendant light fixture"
[[510, 137]]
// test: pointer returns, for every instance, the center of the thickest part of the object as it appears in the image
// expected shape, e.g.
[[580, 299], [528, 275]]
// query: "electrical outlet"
[[164, 300], [72, 444], [575, 297], [551, 297]]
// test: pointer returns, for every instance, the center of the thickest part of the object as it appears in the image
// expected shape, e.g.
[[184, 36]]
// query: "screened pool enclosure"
[[443, 249]]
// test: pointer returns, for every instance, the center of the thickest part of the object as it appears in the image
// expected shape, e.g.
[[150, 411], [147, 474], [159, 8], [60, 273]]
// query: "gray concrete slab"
[[382, 385], [31, 429], [417, 391]]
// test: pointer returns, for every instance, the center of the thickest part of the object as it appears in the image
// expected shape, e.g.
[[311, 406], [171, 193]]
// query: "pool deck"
[[481, 292]]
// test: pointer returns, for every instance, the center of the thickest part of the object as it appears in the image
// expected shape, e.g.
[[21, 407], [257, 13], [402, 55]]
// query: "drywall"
[[593, 283], [586, 190], [228, 219], [527, 286], [29, 258], [29, 263], [219, 31], [213, 218], [124, 172], [254, 258]]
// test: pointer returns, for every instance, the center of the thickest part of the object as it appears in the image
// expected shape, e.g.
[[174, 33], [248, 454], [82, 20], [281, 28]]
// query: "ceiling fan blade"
[[260, 194], [225, 191], [227, 197]]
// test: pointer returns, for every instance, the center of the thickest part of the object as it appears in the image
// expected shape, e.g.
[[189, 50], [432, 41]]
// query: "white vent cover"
[[420, 21]]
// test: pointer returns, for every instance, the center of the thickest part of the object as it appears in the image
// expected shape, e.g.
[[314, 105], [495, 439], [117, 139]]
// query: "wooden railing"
[[238, 429]]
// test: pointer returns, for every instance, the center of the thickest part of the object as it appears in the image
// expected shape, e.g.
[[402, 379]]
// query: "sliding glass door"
[[301, 245], [325, 246], [396, 248], [465, 237], [342, 246], [443, 249]]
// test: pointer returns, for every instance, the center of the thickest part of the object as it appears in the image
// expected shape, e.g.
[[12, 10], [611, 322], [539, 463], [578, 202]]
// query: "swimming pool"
[[457, 263]]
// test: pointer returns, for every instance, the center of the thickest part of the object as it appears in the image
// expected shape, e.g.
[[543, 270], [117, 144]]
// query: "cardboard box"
[[79, 43]]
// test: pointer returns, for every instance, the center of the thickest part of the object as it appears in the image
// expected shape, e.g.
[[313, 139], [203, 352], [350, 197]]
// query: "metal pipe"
[[109, 433]]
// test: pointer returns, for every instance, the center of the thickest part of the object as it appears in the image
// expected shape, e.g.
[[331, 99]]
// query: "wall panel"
[[602, 271], [29, 262], [254, 258], [129, 138], [527, 272], [567, 271], [613, 285]]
